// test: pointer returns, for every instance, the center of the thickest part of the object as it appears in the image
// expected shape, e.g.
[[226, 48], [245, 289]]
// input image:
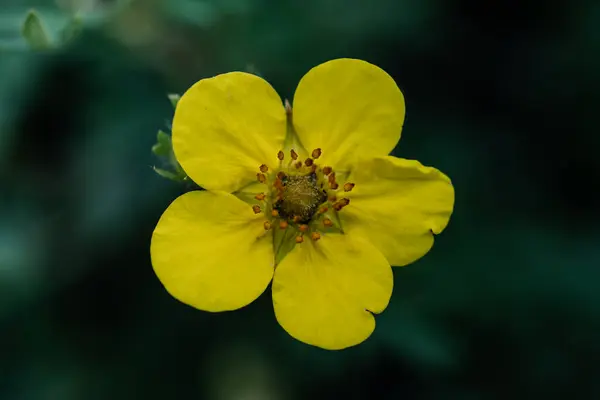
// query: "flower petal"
[[398, 205], [210, 251], [226, 127], [324, 292], [348, 108]]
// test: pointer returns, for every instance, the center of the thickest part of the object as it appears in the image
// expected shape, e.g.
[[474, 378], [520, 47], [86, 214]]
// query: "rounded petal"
[[210, 251], [348, 108], [226, 127], [324, 293], [398, 205]]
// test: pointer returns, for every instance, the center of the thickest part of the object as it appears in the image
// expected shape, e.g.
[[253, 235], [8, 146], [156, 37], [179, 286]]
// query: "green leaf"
[[174, 98], [73, 28], [34, 33], [163, 147], [168, 174]]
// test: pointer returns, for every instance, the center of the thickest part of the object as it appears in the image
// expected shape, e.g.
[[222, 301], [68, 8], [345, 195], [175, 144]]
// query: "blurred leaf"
[[163, 147], [169, 175], [174, 98], [73, 28], [34, 33]]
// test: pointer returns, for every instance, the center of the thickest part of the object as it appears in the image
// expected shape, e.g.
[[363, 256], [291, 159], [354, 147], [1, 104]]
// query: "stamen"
[[331, 177], [313, 168], [274, 213], [256, 209], [281, 175], [341, 204], [263, 168], [267, 225], [323, 210], [309, 162], [348, 186], [327, 222], [294, 154], [332, 197], [283, 224], [296, 219], [303, 228], [298, 164], [315, 236], [299, 239], [316, 153], [280, 155], [260, 196], [333, 185], [261, 177], [327, 170]]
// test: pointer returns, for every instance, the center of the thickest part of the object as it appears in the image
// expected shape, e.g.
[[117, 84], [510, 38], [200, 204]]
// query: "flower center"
[[301, 198]]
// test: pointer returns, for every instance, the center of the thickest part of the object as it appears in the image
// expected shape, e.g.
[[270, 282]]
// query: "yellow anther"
[[323, 210], [274, 213], [299, 239], [260, 196], [261, 177], [341, 204], [296, 219], [316, 153], [309, 162], [298, 164], [267, 225], [313, 168], [332, 197], [303, 228], [281, 175], [327, 222], [294, 154], [327, 170], [315, 236], [333, 185], [348, 186], [345, 201], [331, 177], [283, 224], [263, 168], [256, 209], [280, 155]]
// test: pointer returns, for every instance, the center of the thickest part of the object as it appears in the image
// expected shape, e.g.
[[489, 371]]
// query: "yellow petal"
[[210, 251], [324, 292], [348, 108], [398, 205], [226, 127]]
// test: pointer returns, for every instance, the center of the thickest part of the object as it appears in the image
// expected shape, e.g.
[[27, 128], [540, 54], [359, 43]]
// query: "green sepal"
[[169, 174], [163, 146], [34, 33]]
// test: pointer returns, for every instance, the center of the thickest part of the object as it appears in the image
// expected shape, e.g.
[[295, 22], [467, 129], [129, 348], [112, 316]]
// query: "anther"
[[296, 219], [333, 185], [348, 186], [281, 175], [332, 197], [309, 162], [327, 222], [315, 236], [313, 168], [298, 164], [294, 154], [283, 224], [323, 210], [331, 177], [327, 170], [299, 239], [316, 153], [256, 209], [260, 196], [261, 177], [303, 228], [267, 225], [274, 213], [280, 155], [263, 168]]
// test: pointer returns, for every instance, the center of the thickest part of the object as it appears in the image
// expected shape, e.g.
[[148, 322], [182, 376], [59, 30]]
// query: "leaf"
[[73, 28], [168, 174], [34, 33], [174, 98], [163, 147]]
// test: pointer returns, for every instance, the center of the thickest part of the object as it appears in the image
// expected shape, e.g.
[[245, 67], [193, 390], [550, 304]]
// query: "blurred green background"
[[501, 96]]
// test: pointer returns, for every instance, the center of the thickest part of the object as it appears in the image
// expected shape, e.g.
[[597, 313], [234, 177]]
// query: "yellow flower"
[[309, 200]]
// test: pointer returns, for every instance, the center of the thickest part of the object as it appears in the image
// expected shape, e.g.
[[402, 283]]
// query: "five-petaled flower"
[[308, 199]]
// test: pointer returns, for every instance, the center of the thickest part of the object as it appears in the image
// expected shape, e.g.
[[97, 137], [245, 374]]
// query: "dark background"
[[501, 96]]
